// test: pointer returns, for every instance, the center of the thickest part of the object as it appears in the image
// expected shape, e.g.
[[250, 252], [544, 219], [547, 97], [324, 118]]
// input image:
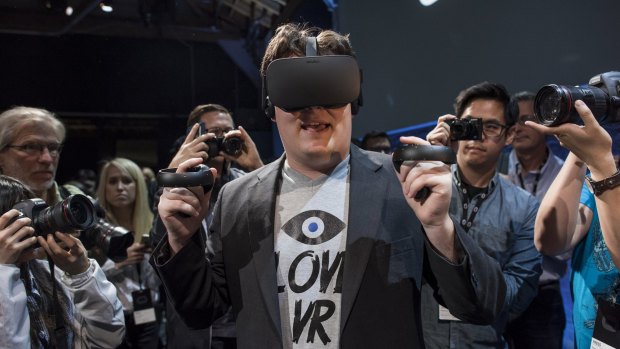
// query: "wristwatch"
[[599, 187]]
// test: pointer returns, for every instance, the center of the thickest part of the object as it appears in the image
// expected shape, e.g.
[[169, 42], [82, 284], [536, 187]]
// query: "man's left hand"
[[249, 159], [69, 255], [432, 209]]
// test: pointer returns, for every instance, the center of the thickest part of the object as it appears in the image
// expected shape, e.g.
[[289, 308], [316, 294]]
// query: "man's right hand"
[[192, 147], [183, 209], [15, 238], [440, 135]]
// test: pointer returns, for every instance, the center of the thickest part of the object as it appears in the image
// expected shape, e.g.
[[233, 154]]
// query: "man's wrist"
[[442, 238]]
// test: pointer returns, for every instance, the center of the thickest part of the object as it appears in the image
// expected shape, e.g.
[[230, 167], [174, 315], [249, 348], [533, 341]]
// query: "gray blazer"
[[385, 260]]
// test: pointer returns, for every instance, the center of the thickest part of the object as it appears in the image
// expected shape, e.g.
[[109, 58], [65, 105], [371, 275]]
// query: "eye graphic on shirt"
[[313, 227]]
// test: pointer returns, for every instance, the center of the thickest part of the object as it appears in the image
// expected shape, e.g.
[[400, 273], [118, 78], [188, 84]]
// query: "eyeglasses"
[[37, 148], [218, 131], [493, 129], [523, 118]]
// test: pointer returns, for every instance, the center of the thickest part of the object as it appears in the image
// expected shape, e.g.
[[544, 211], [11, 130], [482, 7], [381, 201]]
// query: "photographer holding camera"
[[582, 217], [498, 215], [31, 140], [70, 305], [532, 165]]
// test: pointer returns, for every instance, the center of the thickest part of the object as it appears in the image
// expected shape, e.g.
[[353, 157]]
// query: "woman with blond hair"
[[123, 194]]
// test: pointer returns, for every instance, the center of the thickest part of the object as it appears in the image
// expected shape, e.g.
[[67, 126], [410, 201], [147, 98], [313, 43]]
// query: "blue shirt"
[[504, 228], [594, 276], [540, 180]]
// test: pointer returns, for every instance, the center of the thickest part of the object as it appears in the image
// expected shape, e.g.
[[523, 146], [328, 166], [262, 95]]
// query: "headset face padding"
[[298, 83]]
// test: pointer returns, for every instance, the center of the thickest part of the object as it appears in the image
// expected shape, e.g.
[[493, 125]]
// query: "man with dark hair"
[[498, 215], [217, 122], [533, 167], [377, 141], [297, 254]]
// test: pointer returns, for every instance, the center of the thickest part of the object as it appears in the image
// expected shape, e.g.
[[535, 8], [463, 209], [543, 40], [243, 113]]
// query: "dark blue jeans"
[[542, 323]]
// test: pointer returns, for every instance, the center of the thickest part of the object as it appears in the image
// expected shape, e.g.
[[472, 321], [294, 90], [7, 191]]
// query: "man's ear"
[[510, 134]]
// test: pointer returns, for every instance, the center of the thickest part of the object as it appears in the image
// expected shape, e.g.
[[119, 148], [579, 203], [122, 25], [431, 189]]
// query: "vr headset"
[[298, 83]]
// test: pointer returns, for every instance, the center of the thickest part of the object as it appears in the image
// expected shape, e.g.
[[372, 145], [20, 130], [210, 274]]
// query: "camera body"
[[465, 129], [112, 240], [554, 104], [231, 145], [76, 212]]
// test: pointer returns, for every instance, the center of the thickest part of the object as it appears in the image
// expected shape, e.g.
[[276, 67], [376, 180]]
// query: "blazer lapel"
[[366, 191], [261, 206]]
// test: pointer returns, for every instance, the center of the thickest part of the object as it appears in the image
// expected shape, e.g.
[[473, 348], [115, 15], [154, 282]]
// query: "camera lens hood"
[[415, 152], [194, 177]]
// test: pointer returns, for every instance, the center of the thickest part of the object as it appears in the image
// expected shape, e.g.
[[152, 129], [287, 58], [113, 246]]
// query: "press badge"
[[607, 326], [143, 310], [444, 314]]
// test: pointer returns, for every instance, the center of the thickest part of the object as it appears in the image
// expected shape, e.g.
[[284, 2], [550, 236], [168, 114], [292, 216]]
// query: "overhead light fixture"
[[106, 6], [427, 2], [59, 6]]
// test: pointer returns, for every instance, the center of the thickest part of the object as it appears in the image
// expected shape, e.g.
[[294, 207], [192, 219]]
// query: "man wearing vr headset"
[[321, 248]]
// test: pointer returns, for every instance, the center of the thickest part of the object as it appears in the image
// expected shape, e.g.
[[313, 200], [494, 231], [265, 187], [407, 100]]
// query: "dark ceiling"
[[191, 20], [124, 81]]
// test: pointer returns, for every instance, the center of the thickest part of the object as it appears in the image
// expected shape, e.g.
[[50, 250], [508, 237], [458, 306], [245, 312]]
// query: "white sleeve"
[[98, 312], [14, 318]]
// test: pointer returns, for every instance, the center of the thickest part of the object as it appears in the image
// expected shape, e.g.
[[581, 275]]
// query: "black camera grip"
[[414, 152], [194, 177]]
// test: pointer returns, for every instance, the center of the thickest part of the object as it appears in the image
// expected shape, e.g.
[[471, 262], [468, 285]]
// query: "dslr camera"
[[465, 129], [231, 145], [76, 212], [555, 104], [112, 240]]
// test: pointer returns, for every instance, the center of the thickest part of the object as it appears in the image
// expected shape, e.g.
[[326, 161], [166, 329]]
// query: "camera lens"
[[233, 146], [74, 212], [554, 104], [113, 240], [214, 146], [79, 212]]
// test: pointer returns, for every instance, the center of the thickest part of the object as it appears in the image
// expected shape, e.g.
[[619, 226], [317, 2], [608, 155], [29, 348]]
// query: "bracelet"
[[599, 187]]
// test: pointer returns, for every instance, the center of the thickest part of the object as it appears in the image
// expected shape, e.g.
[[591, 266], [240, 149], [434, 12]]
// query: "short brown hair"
[[290, 40], [196, 113]]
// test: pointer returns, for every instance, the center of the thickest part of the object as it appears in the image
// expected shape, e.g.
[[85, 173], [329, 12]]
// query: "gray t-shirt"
[[310, 242]]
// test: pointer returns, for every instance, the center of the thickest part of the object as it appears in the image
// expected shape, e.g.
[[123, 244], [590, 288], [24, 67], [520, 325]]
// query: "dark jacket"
[[386, 257]]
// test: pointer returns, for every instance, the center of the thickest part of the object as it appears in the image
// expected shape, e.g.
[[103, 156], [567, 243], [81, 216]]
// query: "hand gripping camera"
[[76, 212], [232, 145], [555, 104]]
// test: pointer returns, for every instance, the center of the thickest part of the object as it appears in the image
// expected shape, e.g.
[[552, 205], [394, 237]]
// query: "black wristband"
[[599, 187]]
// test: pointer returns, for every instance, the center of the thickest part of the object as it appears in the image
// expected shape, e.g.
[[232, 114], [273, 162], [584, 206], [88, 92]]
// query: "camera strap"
[[139, 271], [60, 334]]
